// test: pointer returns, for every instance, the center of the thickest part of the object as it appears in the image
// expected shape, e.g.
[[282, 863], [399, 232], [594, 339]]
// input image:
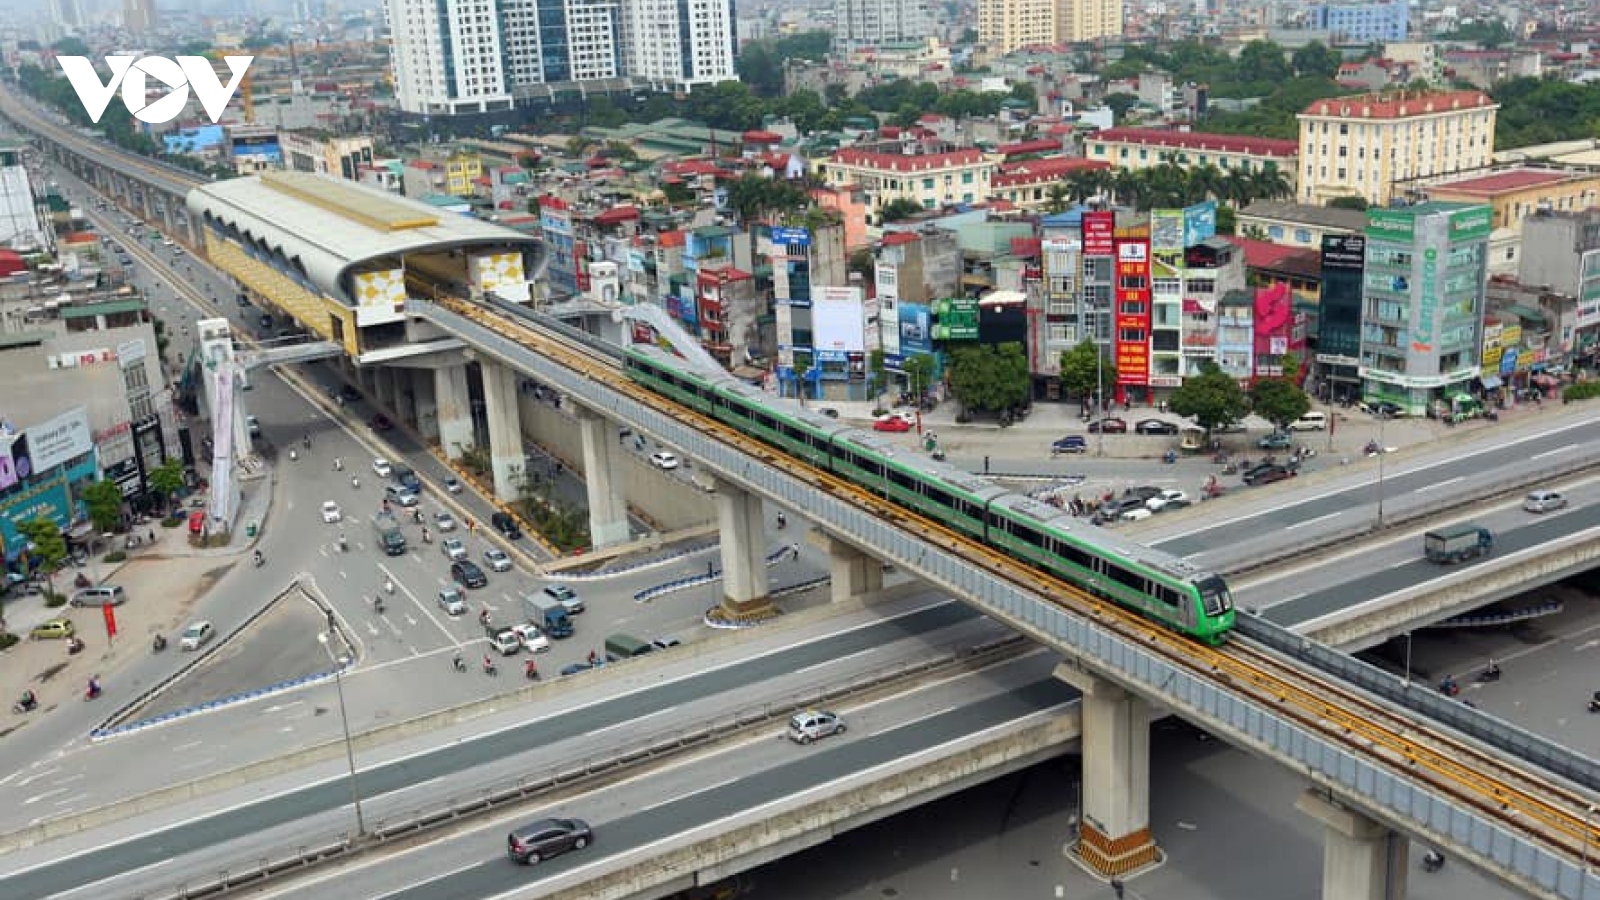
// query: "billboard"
[[1391, 225], [1099, 233], [1199, 222], [791, 237], [1166, 230], [60, 440], [380, 296], [1427, 306], [1344, 252], [1471, 224], [1132, 311], [915, 335], [838, 325], [499, 272], [958, 319]]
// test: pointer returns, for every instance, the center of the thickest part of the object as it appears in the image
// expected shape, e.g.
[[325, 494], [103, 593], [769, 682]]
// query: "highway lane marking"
[[1439, 484], [33, 777], [695, 793], [1565, 448], [1429, 584], [419, 604], [275, 708], [1332, 515], [631, 722], [1334, 491], [76, 776], [73, 799], [824, 664], [197, 763], [44, 796]]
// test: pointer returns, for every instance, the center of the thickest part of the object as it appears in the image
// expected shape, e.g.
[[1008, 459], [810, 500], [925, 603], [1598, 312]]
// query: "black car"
[[546, 838], [1112, 511], [349, 394], [504, 523], [1155, 426], [1267, 474], [466, 572]]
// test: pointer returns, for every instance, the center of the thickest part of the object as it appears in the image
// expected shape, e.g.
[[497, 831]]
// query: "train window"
[[1131, 580], [901, 479], [1024, 533], [969, 509], [936, 494], [1167, 595]]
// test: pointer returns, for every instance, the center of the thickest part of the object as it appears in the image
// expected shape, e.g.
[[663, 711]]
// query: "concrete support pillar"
[[166, 215], [608, 505], [1361, 859], [422, 384], [454, 405], [744, 563], [196, 240], [1114, 834], [383, 386], [405, 396], [851, 571], [505, 428]]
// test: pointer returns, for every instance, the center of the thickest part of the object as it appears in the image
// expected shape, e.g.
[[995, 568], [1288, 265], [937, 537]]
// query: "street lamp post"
[[1381, 453], [326, 639]]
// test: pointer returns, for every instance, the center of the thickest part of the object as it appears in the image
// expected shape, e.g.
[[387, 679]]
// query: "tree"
[[1279, 401], [802, 369], [1120, 103], [46, 547], [919, 370], [71, 46], [104, 500], [989, 376], [166, 480], [1211, 398], [1316, 59], [1056, 197], [1084, 370], [898, 209], [1269, 182], [1358, 204], [878, 364]]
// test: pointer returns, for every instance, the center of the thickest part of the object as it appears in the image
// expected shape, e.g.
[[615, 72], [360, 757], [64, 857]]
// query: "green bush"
[[53, 599], [1586, 390], [116, 556], [7, 639]]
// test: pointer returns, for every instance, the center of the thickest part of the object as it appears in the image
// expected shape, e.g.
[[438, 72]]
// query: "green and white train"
[[1157, 585]]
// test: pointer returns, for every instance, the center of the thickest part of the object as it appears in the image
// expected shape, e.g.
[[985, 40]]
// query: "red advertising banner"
[[110, 613], [1099, 233], [1133, 311]]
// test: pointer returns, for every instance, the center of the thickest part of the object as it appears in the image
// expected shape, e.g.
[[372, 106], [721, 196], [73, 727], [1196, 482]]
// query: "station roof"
[[326, 226]]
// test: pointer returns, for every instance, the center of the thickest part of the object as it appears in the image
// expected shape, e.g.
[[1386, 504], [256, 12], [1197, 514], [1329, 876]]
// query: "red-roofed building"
[[1377, 146], [1143, 148], [1036, 147], [1027, 184], [931, 180], [1516, 195]]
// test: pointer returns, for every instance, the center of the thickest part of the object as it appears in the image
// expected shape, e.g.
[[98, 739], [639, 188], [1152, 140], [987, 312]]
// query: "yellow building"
[[1379, 145], [931, 180], [1515, 195], [1007, 25], [1144, 148], [1078, 21]]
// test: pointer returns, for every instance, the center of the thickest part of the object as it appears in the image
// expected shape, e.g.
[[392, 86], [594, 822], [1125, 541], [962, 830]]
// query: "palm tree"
[[1270, 183], [1126, 185], [1206, 181], [1083, 183], [1056, 197], [1238, 187]]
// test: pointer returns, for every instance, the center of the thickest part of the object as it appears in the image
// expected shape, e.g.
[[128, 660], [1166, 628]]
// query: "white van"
[[1311, 421]]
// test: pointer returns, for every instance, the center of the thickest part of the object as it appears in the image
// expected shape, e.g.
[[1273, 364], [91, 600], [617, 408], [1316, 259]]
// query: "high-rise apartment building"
[[1422, 302], [138, 16], [1007, 25], [68, 13], [1361, 23], [677, 44], [874, 23], [471, 56], [1376, 145], [1087, 20]]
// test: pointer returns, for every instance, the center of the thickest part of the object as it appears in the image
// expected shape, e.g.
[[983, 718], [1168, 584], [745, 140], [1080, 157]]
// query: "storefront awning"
[[1491, 382]]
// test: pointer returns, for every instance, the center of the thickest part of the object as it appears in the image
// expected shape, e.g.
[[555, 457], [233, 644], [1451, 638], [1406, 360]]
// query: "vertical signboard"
[[1343, 261], [1427, 303], [1133, 312], [1099, 233]]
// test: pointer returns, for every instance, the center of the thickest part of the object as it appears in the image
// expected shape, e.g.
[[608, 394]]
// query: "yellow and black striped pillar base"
[[1115, 857]]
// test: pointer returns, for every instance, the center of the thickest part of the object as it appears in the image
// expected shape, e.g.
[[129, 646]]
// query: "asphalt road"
[[294, 806]]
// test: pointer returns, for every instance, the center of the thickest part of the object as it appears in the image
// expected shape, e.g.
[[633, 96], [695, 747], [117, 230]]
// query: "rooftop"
[[1400, 104], [1351, 220], [1507, 182], [901, 162], [1199, 140]]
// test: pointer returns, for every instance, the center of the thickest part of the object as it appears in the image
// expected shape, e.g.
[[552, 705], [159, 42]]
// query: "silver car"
[[811, 724], [444, 521], [452, 601], [1543, 501], [453, 549], [497, 559]]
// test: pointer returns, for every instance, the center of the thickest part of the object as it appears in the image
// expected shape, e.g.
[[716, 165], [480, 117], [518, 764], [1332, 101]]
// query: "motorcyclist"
[[338, 464], [355, 482], [158, 643], [488, 663], [28, 701], [783, 520], [483, 617], [530, 669], [344, 544], [259, 558], [426, 537], [456, 662], [94, 688], [377, 605]]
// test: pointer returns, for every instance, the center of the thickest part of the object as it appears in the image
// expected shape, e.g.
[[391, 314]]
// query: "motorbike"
[[1170, 457], [1594, 705], [355, 482], [377, 605], [158, 644], [82, 581], [28, 703], [344, 545], [93, 692], [530, 671], [1230, 469], [293, 455], [458, 664], [489, 668], [1448, 687], [131, 541], [260, 560], [388, 585], [74, 646], [1489, 675], [1432, 861], [426, 537]]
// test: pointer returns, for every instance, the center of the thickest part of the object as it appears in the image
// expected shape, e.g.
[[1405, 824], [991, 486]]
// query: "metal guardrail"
[[1521, 856], [656, 747]]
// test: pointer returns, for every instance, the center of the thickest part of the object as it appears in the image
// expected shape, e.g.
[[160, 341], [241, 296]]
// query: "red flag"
[[110, 613]]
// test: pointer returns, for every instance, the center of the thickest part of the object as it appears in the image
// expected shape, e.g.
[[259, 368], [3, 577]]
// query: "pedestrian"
[[710, 569], [152, 535], [794, 552], [986, 465]]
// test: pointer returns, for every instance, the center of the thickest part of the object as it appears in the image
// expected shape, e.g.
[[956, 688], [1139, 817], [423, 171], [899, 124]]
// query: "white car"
[[1135, 514], [661, 459], [382, 468], [331, 512], [532, 639], [196, 635], [444, 521], [497, 559], [453, 549], [1169, 497]]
